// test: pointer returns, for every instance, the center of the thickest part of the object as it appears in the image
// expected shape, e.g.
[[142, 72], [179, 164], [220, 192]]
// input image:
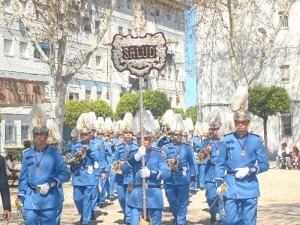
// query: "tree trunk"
[[265, 120], [61, 91]]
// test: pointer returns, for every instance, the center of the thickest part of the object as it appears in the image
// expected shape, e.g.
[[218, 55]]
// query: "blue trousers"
[[155, 214], [82, 196], [42, 217], [211, 196], [58, 215], [112, 184], [102, 194], [178, 198], [95, 196], [122, 198], [200, 171], [241, 211]]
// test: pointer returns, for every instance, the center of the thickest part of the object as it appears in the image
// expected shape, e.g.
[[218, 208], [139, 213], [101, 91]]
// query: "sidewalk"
[[278, 204]]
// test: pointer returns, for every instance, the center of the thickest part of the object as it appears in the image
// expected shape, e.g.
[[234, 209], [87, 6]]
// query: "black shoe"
[[81, 220], [93, 217], [202, 188], [213, 221], [101, 205]]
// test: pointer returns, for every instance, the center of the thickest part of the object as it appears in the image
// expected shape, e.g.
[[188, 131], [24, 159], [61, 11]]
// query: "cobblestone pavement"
[[278, 204]]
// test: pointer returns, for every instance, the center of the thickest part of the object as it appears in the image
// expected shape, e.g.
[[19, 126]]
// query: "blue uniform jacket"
[[230, 158], [99, 156], [211, 163], [158, 166], [80, 174], [185, 159], [52, 168], [123, 153], [108, 153]]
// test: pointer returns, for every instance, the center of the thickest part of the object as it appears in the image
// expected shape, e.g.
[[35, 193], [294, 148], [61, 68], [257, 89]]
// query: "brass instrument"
[[173, 167], [203, 155], [19, 209], [76, 157], [116, 167]]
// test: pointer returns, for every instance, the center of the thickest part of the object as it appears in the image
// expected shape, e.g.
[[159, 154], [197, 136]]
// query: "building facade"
[[25, 78], [254, 29]]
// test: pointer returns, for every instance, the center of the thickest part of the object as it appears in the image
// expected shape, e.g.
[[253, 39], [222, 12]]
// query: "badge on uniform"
[[129, 188], [243, 153]]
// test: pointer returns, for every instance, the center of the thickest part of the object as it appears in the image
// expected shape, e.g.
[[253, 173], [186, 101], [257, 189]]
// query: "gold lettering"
[[126, 56], [132, 53], [152, 52], [138, 52]]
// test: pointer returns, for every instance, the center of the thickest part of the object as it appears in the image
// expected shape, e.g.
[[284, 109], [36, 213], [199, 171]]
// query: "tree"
[[75, 108], [56, 23], [155, 101], [192, 113], [180, 111], [268, 101], [245, 30]]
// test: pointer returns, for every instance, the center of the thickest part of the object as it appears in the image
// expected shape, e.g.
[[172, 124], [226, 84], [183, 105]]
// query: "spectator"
[[295, 158], [11, 170], [4, 190], [282, 158], [27, 144]]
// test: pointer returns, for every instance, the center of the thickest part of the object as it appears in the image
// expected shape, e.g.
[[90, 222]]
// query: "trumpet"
[[173, 165], [116, 167], [203, 155], [76, 157]]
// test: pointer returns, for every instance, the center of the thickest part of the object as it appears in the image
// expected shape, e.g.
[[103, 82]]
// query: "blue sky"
[[190, 97]]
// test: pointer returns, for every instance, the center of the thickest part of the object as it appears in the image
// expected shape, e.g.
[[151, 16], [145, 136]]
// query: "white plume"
[[240, 99], [167, 118]]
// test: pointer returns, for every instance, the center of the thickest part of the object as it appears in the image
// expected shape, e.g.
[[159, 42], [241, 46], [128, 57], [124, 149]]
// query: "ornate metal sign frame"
[[139, 55]]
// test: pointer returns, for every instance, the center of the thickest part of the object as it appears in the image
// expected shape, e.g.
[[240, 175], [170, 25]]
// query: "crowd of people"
[[137, 157], [286, 159]]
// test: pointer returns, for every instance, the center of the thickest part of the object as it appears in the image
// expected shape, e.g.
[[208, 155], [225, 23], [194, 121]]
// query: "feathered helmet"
[[54, 136], [74, 133], [239, 105], [100, 125], [205, 129], [118, 127], [167, 119], [189, 124], [177, 124], [215, 121], [84, 123], [109, 126], [38, 119], [93, 118], [197, 131], [147, 125], [127, 122]]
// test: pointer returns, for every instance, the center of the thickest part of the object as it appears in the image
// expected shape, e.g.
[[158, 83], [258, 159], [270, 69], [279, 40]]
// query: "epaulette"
[[251, 132], [227, 134], [25, 150], [260, 137], [156, 149], [188, 144]]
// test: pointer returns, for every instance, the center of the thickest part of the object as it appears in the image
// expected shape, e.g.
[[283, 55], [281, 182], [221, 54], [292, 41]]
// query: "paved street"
[[278, 204]]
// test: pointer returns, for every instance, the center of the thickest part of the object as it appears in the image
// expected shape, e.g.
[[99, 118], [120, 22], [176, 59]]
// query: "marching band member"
[[156, 169], [213, 200], [100, 164], [82, 168], [180, 158], [166, 136], [43, 171], [123, 152], [242, 155]]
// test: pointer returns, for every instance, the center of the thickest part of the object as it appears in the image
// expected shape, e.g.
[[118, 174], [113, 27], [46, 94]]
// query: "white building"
[[214, 82], [24, 77]]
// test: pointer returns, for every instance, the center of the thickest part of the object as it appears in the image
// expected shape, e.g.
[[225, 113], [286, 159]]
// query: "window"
[[23, 49], [7, 47], [87, 25], [157, 13], [285, 74], [99, 93], [73, 96], [129, 31], [286, 125], [128, 4], [10, 134], [97, 26], [88, 94], [168, 17], [24, 132], [285, 23], [120, 30], [98, 63], [46, 49]]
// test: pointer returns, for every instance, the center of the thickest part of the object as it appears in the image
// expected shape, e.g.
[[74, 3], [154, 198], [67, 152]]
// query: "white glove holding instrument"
[[43, 188], [242, 172], [145, 173], [141, 153]]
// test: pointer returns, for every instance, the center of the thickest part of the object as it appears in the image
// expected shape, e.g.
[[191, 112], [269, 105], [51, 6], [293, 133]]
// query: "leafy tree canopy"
[[75, 108], [155, 101], [180, 111], [192, 113], [267, 101]]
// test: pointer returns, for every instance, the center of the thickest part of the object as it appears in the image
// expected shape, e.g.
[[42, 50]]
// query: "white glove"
[[242, 172], [141, 152], [219, 191], [44, 188], [96, 165], [90, 170], [145, 173]]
